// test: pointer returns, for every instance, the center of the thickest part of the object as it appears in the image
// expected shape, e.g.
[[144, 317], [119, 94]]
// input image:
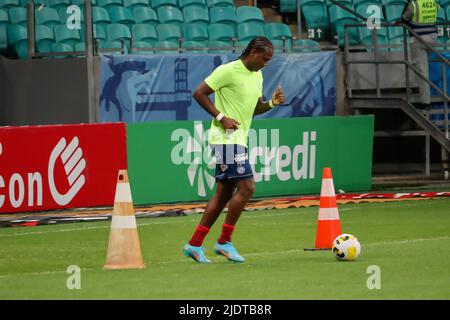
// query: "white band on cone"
[[123, 193], [327, 188], [328, 214], [123, 222]]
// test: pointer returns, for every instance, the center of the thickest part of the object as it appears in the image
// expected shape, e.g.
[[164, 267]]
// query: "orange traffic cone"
[[328, 224], [124, 249]]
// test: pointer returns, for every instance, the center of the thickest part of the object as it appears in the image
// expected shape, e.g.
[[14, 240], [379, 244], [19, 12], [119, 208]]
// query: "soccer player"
[[238, 96]]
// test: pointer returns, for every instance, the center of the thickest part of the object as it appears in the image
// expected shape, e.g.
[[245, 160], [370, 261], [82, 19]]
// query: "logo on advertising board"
[[71, 157], [269, 161]]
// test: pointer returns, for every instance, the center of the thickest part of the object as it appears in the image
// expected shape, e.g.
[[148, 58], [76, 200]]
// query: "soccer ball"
[[346, 247]]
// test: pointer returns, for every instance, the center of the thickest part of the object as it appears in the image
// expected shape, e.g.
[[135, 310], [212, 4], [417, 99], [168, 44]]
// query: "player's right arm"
[[201, 95]]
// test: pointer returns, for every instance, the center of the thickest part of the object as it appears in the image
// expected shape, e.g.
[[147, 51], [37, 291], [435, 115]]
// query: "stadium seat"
[[192, 3], [389, 2], [44, 38], [248, 30], [4, 18], [219, 47], [169, 14], [142, 45], [131, 4], [339, 18], [64, 15], [275, 32], [169, 32], [219, 3], [144, 33], [195, 47], [316, 19], [248, 13], [109, 46], [3, 39], [106, 4], [343, 2], [195, 32], [18, 40], [100, 16], [362, 10], [145, 15], [441, 15], [166, 44], [222, 32], [396, 32], [9, 3], [365, 35], [223, 15], [305, 45], [121, 15], [58, 4], [288, 6], [61, 48], [18, 15], [66, 35], [48, 17], [357, 3], [194, 14], [393, 12], [155, 4], [119, 32]]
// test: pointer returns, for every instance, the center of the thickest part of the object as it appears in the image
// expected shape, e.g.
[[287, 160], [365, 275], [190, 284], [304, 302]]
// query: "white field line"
[[255, 254]]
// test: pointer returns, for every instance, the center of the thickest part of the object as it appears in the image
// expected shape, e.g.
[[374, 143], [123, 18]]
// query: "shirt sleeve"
[[219, 78]]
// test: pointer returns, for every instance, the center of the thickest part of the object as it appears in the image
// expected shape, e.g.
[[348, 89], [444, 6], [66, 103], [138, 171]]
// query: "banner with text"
[[171, 161], [63, 166], [137, 88]]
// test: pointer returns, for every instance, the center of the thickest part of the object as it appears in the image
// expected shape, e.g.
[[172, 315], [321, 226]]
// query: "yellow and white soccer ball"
[[346, 247]]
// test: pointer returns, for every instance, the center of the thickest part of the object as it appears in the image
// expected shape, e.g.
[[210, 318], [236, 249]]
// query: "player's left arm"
[[264, 106]]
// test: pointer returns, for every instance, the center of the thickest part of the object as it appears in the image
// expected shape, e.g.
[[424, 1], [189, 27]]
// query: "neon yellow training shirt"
[[236, 91]]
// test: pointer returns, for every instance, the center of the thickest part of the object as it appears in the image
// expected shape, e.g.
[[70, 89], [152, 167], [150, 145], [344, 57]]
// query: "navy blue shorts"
[[232, 162]]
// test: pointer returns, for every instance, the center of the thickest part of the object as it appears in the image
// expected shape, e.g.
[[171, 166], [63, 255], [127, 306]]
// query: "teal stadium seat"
[[65, 13], [145, 15], [357, 3], [106, 4], [18, 15], [182, 4], [166, 44], [66, 35], [121, 15], [169, 14], [195, 32], [305, 45], [396, 32], [62, 48], [393, 12], [44, 38], [222, 32], [9, 3], [362, 10], [288, 6], [143, 48], [366, 38], [119, 33], [339, 18], [18, 40], [397, 44], [112, 46], [343, 2], [131, 4], [194, 14], [276, 32], [47, 16], [144, 33], [441, 15], [58, 4], [219, 46], [248, 13], [169, 32], [316, 19], [3, 39], [223, 15], [195, 46], [155, 4], [4, 18], [248, 30], [389, 2], [100, 16], [219, 3]]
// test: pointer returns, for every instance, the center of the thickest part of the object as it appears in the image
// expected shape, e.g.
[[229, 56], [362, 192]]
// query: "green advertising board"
[[171, 161]]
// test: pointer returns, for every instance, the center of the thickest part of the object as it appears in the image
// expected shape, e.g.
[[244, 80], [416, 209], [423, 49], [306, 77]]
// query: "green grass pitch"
[[409, 241]]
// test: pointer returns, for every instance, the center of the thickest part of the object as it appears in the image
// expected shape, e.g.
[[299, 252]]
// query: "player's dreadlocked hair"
[[259, 43]]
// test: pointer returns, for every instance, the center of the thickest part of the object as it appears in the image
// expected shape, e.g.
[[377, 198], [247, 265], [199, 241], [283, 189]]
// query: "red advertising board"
[[63, 166]]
